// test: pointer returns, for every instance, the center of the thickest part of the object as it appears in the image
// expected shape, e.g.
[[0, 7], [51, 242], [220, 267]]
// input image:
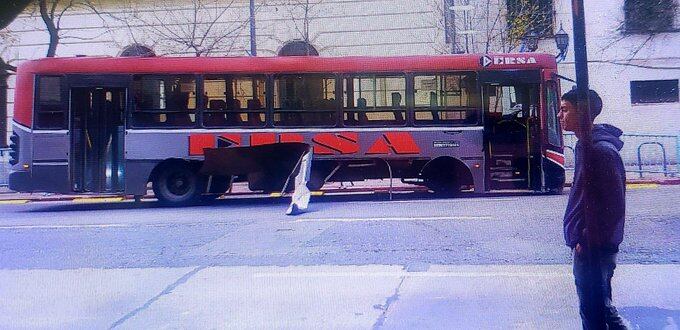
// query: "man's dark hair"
[[594, 100]]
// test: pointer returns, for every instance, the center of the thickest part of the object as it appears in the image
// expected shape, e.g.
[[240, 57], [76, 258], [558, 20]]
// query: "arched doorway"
[[298, 48], [137, 50]]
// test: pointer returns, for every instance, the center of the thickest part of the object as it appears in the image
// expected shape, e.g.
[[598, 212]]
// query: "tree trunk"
[[51, 28]]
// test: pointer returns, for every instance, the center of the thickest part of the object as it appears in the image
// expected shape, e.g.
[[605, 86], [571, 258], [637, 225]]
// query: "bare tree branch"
[[200, 28], [48, 19]]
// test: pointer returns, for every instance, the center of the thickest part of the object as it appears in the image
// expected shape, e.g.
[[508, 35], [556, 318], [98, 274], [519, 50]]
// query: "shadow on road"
[[262, 200]]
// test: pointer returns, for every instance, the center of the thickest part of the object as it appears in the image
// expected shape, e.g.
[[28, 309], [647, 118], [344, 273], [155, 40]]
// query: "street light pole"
[[582, 91], [253, 44]]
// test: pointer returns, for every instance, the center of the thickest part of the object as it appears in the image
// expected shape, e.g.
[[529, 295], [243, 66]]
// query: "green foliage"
[[526, 16]]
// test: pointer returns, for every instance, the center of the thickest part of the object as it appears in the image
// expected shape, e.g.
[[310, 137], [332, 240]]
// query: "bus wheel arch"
[[446, 175], [177, 182]]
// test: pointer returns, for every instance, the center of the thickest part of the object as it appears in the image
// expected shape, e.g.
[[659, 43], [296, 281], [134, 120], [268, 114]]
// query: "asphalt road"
[[351, 262], [412, 230]]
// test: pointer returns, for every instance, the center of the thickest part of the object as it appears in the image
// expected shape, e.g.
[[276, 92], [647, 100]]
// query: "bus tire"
[[178, 184], [446, 176], [443, 183]]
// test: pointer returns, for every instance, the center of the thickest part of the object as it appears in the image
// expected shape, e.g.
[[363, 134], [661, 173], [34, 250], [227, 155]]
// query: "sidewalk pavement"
[[328, 296]]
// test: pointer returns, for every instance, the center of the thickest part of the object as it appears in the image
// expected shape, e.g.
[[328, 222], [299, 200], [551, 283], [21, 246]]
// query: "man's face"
[[568, 116]]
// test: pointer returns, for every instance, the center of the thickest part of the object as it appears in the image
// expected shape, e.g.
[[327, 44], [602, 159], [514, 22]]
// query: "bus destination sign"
[[487, 61]]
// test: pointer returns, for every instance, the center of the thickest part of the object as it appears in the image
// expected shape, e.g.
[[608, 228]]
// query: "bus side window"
[[446, 99], [304, 100], [164, 101], [374, 100], [49, 108]]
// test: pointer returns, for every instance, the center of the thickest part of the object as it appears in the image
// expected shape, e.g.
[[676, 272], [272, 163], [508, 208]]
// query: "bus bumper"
[[20, 181]]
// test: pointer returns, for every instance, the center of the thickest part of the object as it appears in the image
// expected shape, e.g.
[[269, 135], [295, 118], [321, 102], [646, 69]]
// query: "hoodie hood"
[[608, 133]]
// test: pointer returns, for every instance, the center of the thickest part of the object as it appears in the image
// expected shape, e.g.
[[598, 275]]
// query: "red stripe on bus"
[[291, 137], [400, 143], [282, 64], [555, 157], [341, 143], [198, 142], [257, 139]]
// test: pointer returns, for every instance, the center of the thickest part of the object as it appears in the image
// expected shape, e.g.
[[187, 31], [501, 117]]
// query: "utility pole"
[[253, 43], [3, 107], [582, 90], [4, 74]]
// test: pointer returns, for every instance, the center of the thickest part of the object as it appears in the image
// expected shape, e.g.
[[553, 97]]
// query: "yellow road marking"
[[98, 200], [314, 193], [15, 201], [642, 185]]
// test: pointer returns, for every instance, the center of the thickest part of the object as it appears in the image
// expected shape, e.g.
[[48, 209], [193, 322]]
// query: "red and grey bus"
[[103, 125]]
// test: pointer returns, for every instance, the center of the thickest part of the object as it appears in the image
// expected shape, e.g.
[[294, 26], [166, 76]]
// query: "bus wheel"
[[178, 184], [443, 183]]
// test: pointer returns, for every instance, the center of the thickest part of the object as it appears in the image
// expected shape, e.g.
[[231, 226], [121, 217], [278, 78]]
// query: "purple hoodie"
[[607, 192]]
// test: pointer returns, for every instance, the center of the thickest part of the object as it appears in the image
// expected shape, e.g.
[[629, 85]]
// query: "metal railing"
[[644, 155]]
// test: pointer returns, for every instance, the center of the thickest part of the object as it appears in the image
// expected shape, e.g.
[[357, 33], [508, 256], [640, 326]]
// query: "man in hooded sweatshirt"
[[595, 248]]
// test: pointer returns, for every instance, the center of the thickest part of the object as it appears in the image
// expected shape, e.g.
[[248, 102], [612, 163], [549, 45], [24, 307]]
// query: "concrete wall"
[[616, 59]]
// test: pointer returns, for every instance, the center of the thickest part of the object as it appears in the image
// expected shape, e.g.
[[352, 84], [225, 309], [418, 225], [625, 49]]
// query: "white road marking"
[[410, 274], [98, 200], [66, 226], [114, 225], [440, 218], [439, 200]]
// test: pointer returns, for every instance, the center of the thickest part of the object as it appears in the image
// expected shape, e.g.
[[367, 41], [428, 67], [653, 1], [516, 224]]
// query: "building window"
[[654, 91], [49, 108], [525, 16], [649, 16]]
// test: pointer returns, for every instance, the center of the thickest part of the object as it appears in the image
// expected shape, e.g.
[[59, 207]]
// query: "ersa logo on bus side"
[[486, 61]]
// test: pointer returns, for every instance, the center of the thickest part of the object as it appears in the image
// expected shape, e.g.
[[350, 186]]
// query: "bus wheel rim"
[[179, 184]]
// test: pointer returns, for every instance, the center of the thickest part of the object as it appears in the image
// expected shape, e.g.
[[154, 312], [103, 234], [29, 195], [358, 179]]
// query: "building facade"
[[634, 59]]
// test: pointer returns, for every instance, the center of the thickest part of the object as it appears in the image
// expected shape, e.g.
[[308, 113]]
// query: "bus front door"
[[512, 128], [97, 132]]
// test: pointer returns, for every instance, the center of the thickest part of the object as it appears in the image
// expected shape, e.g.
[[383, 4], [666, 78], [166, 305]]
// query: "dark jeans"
[[593, 271]]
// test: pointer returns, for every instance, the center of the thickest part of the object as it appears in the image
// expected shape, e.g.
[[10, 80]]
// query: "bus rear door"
[[97, 127]]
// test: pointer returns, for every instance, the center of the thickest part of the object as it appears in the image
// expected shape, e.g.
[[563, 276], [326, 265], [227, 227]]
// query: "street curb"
[[109, 198], [667, 182]]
